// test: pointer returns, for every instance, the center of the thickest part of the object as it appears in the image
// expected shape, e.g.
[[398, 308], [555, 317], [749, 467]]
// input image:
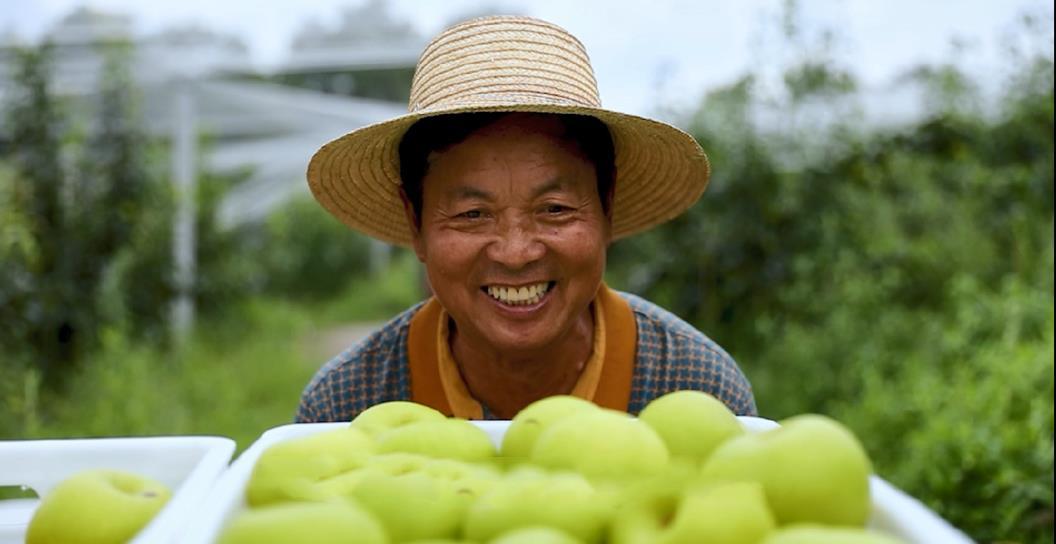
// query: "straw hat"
[[507, 64]]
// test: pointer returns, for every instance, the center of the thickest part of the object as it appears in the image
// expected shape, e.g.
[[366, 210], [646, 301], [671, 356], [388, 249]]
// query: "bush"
[[84, 215], [309, 254], [241, 373], [380, 297], [899, 279], [979, 433], [235, 378]]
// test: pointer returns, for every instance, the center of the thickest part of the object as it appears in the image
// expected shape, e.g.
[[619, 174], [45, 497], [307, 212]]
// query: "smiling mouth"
[[524, 295]]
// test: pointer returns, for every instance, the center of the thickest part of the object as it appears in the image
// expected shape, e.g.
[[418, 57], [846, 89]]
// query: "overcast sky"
[[644, 52]]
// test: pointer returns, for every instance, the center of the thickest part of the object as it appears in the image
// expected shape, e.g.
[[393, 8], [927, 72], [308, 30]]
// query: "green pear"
[[526, 426], [344, 483], [395, 464], [535, 535], [452, 470], [335, 522], [469, 481], [398, 462], [532, 497], [727, 513], [817, 534], [691, 423], [411, 506], [444, 439], [390, 415], [97, 507], [291, 470], [812, 469], [601, 444], [340, 485], [455, 484]]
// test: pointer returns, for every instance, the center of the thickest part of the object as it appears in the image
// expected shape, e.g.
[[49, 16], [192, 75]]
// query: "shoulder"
[[674, 355], [370, 371], [660, 329], [656, 320]]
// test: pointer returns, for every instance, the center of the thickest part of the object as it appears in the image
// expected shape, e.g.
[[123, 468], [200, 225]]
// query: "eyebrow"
[[555, 184], [464, 192]]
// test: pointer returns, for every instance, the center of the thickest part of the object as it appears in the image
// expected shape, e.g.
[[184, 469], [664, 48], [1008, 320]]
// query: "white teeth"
[[529, 294]]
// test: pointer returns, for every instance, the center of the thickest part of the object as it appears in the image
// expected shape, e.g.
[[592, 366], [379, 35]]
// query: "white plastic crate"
[[189, 465], [894, 512]]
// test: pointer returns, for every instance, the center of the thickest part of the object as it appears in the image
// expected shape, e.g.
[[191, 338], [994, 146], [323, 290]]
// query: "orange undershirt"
[[605, 379]]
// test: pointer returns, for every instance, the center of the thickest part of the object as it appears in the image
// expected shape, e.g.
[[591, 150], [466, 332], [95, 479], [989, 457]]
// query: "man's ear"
[[413, 223]]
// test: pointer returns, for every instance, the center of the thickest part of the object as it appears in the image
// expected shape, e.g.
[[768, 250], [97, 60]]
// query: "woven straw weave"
[[507, 64]]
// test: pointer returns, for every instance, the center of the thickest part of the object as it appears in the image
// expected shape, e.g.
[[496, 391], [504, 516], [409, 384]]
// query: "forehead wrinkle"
[[554, 185], [468, 192]]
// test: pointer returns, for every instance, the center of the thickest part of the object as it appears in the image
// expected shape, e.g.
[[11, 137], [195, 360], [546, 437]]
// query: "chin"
[[512, 342]]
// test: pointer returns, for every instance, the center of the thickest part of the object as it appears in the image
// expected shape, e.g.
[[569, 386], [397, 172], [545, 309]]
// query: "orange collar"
[[606, 378]]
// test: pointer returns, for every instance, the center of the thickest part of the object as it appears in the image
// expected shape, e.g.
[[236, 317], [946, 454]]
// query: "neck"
[[507, 382]]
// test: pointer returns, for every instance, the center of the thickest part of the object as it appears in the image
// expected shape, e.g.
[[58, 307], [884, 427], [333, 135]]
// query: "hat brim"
[[660, 171]]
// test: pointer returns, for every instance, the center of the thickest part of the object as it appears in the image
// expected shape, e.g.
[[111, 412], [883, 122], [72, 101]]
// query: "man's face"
[[513, 234]]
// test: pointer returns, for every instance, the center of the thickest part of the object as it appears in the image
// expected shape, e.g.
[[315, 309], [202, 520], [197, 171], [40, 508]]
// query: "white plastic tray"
[[189, 465], [894, 512]]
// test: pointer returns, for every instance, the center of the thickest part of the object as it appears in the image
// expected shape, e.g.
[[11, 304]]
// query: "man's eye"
[[555, 209], [471, 214]]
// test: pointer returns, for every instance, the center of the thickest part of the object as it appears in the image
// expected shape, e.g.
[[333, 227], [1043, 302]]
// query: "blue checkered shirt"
[[671, 356]]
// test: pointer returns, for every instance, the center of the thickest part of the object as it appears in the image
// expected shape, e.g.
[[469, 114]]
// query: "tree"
[[76, 227], [37, 299]]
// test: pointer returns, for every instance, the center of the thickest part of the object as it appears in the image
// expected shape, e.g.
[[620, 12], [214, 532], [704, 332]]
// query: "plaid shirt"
[[671, 356]]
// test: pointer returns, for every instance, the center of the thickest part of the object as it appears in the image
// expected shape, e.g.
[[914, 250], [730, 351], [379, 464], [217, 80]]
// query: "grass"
[[240, 374]]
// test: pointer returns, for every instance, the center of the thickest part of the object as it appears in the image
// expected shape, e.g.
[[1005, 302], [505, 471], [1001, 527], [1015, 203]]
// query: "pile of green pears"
[[567, 472]]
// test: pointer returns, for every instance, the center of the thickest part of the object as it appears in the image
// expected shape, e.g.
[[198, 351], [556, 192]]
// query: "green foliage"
[[86, 229], [898, 278], [979, 432], [309, 253], [128, 389], [225, 272], [83, 215], [20, 254], [87, 220], [115, 176], [382, 296], [241, 373], [37, 287]]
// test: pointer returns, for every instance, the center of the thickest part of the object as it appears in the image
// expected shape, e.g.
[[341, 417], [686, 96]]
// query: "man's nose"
[[516, 245]]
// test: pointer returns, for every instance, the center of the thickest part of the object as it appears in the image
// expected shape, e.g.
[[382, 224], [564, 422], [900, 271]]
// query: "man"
[[509, 181]]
